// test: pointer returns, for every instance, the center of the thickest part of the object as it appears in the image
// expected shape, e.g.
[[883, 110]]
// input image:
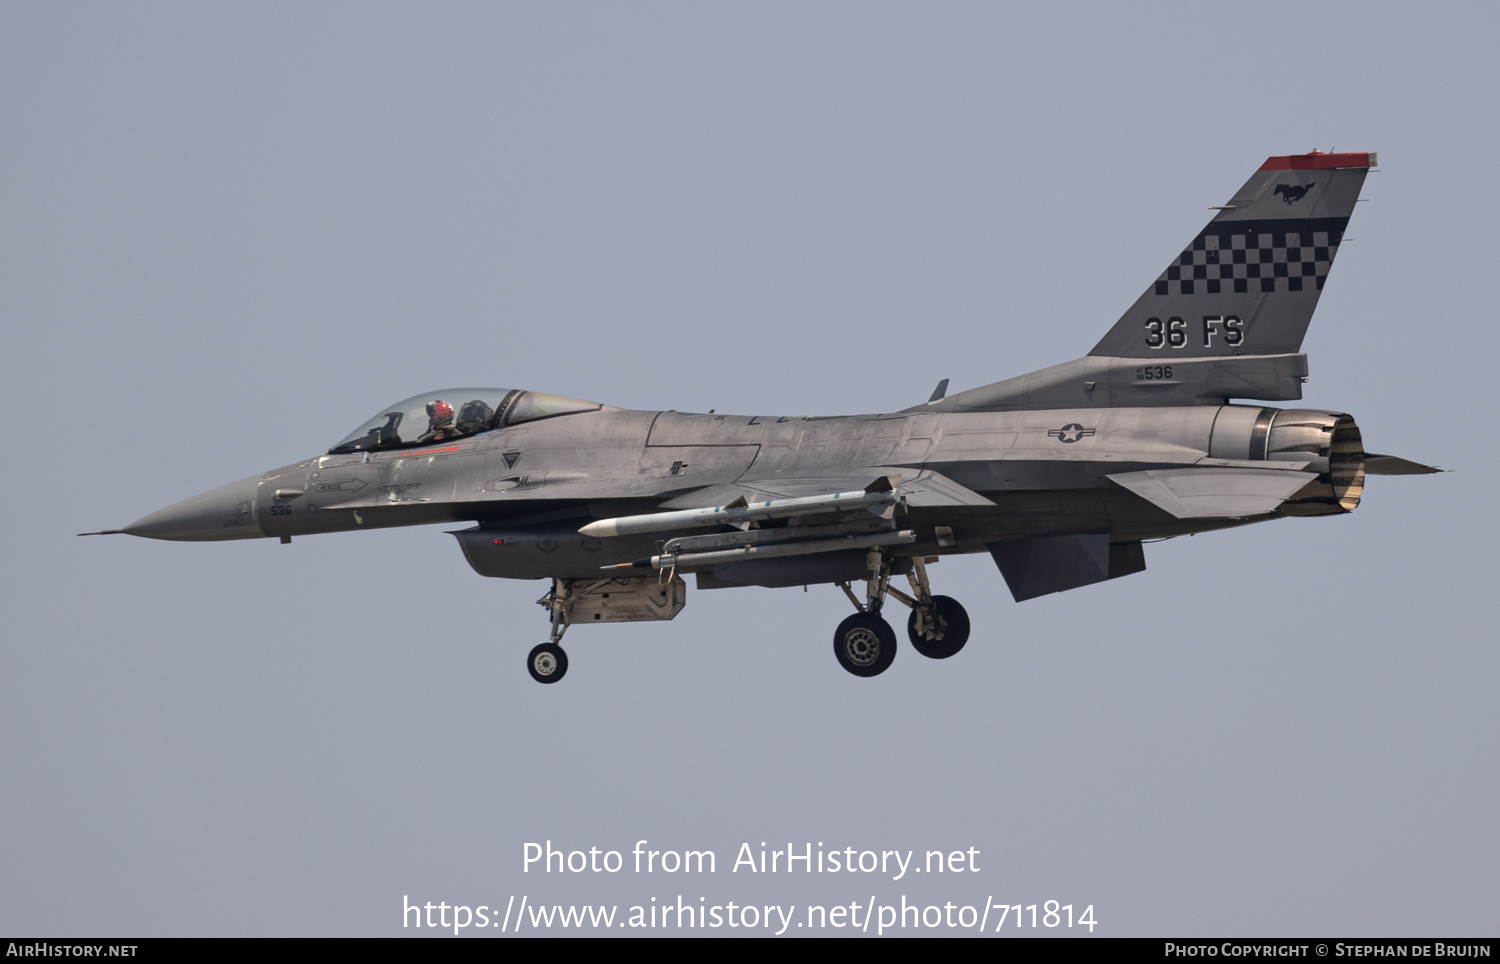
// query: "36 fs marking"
[[1173, 332]]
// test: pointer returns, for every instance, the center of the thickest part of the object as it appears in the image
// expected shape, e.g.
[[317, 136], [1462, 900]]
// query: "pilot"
[[474, 417], [439, 423]]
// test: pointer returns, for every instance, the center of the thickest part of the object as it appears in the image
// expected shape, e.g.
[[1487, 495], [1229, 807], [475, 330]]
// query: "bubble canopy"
[[455, 413]]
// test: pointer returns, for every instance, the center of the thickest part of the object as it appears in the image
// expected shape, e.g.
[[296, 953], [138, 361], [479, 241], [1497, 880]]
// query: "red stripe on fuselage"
[[408, 455]]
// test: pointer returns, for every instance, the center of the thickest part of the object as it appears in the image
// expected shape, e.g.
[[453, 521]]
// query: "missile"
[[881, 492], [805, 547], [735, 538]]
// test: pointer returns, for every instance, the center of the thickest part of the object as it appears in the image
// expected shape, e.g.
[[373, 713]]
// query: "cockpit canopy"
[[455, 413]]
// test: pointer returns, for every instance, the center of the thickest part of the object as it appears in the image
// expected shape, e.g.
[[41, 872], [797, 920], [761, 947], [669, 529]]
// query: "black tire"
[[547, 663], [864, 644], [952, 629]]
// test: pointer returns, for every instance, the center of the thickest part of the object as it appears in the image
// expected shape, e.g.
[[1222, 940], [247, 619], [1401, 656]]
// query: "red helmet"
[[440, 410]]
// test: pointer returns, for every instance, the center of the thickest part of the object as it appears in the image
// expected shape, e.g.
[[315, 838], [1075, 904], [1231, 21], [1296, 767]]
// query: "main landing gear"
[[865, 644]]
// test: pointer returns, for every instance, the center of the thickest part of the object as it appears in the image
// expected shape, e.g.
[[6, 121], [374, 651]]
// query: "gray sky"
[[230, 233]]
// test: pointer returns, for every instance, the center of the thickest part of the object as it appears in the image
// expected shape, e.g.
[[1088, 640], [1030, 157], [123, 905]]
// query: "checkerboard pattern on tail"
[[1255, 256]]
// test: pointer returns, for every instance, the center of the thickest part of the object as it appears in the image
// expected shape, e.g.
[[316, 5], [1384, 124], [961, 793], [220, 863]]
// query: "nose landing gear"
[[612, 599], [547, 663], [865, 644]]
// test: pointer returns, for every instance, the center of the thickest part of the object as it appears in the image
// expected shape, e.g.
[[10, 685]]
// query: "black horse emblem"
[[1292, 193]]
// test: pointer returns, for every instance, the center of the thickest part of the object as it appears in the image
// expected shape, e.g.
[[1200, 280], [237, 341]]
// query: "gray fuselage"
[[1045, 473]]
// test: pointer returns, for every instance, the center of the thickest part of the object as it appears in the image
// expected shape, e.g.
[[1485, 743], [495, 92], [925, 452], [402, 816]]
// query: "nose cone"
[[227, 512]]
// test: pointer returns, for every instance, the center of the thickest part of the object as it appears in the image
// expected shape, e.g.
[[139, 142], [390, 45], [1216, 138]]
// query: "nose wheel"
[[547, 663]]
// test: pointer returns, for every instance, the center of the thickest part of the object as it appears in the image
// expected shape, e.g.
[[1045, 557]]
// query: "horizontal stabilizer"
[[1392, 465], [1213, 492]]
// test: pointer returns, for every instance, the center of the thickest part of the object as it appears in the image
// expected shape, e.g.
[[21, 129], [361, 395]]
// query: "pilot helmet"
[[439, 411]]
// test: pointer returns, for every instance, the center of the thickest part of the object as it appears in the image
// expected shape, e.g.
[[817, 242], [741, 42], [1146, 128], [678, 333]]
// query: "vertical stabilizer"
[[1250, 280]]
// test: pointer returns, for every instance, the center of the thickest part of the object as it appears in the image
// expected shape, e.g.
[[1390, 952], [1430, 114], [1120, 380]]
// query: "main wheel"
[[864, 644], [547, 663], [947, 629]]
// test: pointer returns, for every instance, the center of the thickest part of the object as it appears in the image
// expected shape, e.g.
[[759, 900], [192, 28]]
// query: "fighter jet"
[[1061, 475]]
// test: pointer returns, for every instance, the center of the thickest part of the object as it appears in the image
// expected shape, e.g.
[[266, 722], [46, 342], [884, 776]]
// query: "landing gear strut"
[[865, 644], [548, 662]]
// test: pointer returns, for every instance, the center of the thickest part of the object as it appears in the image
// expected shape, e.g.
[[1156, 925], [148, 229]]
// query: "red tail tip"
[[1317, 161]]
